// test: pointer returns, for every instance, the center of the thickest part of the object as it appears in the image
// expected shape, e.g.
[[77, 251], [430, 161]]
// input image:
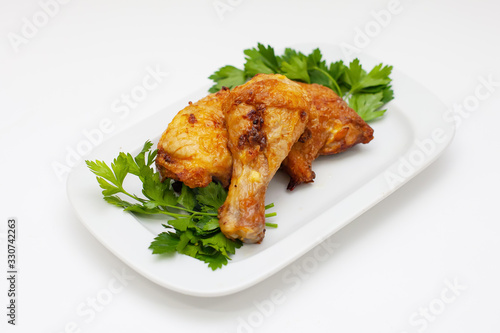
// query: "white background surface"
[[388, 266]]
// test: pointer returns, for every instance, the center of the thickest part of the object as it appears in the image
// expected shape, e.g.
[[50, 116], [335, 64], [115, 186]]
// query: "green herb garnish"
[[365, 92], [193, 229]]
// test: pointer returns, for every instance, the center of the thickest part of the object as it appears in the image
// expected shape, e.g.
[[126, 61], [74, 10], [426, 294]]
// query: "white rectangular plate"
[[409, 137]]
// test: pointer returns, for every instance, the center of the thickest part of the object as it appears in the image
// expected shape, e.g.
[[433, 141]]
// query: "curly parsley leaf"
[[214, 261], [359, 81], [296, 69], [207, 224], [346, 80], [187, 198], [261, 60], [387, 94], [165, 242], [367, 105], [193, 227], [103, 171], [117, 201], [159, 193], [227, 76], [211, 196]]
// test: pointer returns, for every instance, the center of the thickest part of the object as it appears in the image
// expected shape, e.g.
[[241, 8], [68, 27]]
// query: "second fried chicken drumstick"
[[194, 148], [264, 118], [241, 137], [332, 128]]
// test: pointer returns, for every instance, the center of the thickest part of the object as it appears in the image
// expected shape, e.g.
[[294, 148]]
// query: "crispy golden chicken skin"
[[264, 118], [332, 128], [193, 149]]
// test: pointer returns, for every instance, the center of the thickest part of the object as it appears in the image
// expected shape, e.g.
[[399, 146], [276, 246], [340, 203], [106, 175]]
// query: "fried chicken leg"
[[332, 128], [193, 149], [264, 118]]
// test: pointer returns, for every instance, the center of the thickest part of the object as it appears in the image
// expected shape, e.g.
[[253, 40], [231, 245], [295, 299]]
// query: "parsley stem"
[[166, 212], [193, 212], [335, 85], [133, 196], [271, 205], [271, 214], [271, 225], [169, 206]]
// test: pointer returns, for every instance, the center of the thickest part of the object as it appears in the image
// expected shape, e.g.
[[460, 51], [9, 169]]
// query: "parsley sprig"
[[365, 92], [193, 227]]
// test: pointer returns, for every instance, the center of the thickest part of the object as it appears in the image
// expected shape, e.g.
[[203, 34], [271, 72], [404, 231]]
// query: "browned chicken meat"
[[264, 118], [193, 149], [332, 128], [242, 136]]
